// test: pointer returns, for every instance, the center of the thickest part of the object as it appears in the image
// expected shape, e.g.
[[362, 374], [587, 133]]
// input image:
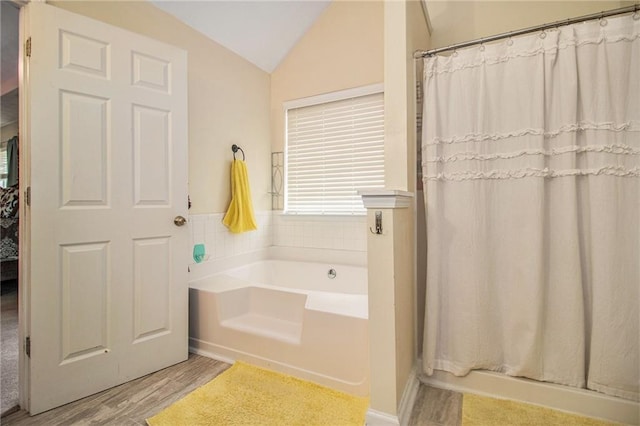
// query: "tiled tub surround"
[[323, 232], [278, 229], [209, 230]]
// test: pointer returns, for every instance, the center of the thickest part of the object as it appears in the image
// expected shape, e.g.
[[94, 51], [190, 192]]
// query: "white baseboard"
[[408, 398], [230, 355], [211, 355], [378, 418]]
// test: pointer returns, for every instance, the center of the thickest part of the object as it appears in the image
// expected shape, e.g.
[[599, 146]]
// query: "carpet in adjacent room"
[[245, 394], [9, 346]]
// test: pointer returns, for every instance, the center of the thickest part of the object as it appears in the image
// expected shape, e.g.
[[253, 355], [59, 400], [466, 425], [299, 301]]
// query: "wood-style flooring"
[[131, 403], [436, 407]]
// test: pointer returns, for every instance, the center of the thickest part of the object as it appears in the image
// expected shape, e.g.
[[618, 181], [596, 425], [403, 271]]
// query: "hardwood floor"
[[436, 407], [131, 403]]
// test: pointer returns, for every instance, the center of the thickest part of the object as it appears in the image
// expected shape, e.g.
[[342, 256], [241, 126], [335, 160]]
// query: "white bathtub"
[[288, 316]]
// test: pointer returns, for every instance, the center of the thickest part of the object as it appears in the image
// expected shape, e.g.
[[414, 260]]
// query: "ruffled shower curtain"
[[531, 170]]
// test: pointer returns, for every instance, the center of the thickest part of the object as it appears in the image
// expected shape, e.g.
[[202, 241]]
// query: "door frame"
[[24, 182], [22, 164], [24, 248]]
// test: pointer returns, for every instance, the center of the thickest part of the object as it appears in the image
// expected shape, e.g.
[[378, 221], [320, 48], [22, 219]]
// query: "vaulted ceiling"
[[261, 31]]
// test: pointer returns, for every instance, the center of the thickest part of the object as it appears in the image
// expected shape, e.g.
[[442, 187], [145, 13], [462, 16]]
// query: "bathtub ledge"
[[349, 305]]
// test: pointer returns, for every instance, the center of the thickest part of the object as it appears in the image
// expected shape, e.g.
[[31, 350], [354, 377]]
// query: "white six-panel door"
[[107, 145]]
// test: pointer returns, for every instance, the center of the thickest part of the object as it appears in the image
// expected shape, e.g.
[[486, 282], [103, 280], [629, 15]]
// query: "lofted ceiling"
[[261, 31]]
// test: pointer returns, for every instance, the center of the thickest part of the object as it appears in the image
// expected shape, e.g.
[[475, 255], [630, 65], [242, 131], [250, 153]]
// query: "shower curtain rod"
[[424, 53]]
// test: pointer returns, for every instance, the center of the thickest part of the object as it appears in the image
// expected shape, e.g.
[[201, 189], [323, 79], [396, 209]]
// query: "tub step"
[[266, 326]]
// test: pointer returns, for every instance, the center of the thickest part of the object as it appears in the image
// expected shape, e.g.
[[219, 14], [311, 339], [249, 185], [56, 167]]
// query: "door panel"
[[152, 73], [152, 144], [152, 286], [85, 307], [84, 123], [84, 55], [107, 141]]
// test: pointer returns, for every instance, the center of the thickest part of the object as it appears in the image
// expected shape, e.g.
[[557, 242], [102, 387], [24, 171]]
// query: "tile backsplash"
[[326, 232], [277, 229], [209, 230]]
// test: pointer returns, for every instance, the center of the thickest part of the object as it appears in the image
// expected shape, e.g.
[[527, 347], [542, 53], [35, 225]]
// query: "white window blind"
[[3, 165], [334, 149]]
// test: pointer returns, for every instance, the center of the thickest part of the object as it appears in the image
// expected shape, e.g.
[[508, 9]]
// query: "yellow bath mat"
[[248, 395], [482, 411]]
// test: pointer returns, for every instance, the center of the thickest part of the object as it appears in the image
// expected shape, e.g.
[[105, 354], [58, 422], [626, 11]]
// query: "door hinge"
[[27, 196], [27, 47], [27, 346]]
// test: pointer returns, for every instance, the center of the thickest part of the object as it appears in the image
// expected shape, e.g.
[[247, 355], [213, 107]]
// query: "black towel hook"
[[235, 149]]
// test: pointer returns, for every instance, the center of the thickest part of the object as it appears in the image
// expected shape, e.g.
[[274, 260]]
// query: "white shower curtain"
[[531, 166]]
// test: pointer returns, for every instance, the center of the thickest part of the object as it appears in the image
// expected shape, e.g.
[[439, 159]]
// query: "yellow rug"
[[248, 395], [482, 411]]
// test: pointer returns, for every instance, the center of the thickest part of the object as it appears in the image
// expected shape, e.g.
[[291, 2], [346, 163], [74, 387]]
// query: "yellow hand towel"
[[239, 217]]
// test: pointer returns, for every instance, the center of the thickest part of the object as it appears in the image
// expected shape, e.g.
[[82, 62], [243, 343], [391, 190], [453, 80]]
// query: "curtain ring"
[[509, 41], [603, 22], [455, 53], [481, 48], [543, 34], [636, 15]]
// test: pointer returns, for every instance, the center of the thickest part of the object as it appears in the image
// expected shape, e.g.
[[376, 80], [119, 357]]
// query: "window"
[[3, 165], [335, 147]]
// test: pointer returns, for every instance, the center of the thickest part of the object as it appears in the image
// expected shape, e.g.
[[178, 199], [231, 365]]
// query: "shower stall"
[[530, 166]]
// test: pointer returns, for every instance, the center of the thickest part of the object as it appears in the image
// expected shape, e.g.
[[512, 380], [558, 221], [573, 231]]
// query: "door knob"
[[179, 220]]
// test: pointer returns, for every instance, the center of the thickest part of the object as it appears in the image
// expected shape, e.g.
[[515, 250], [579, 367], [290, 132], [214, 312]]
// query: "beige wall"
[[228, 102], [342, 50], [391, 307], [392, 290], [404, 297], [382, 330], [405, 32], [418, 38], [457, 21]]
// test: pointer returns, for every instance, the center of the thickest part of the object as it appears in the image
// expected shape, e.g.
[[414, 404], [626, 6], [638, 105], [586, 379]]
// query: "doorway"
[[96, 306], [103, 304], [9, 14]]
